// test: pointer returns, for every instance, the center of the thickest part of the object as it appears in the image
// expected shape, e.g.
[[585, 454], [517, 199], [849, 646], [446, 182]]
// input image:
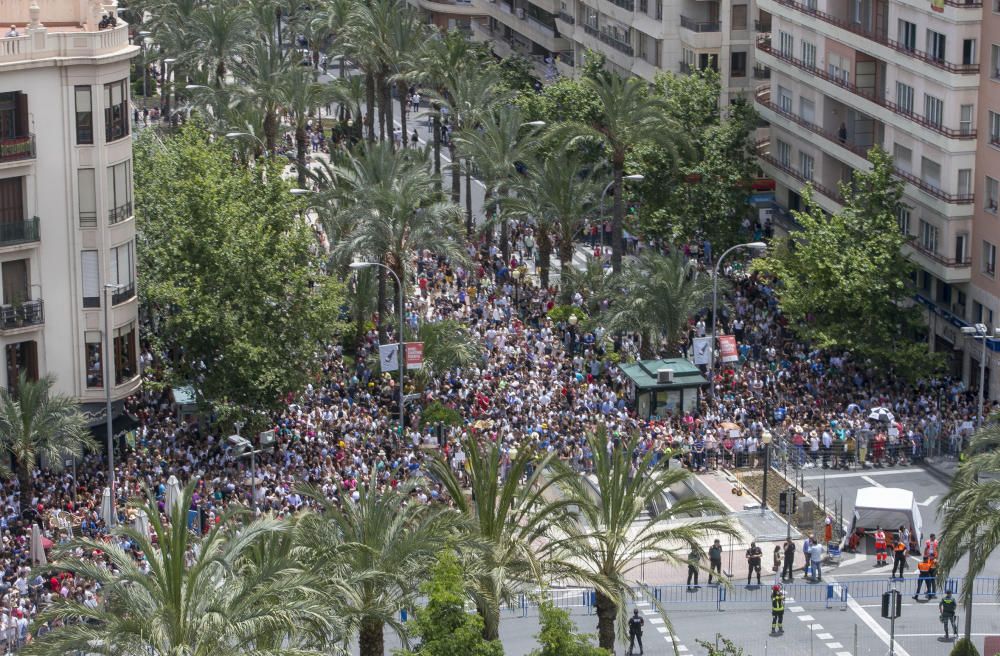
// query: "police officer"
[[777, 609], [947, 609], [635, 631], [754, 554], [715, 561]]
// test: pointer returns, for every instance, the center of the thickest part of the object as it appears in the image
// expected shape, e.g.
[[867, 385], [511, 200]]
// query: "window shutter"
[[91, 274]]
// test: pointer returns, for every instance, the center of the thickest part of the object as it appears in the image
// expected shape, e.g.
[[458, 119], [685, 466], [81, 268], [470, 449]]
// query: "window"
[[903, 220], [643, 6], [856, 14], [739, 17], [933, 110], [708, 60], [122, 272], [995, 128], [935, 45], [902, 157], [969, 52], [738, 64], [989, 259], [807, 110], [784, 153], [928, 237], [809, 54], [930, 172], [965, 119], [119, 191], [992, 195], [806, 166], [87, 197], [92, 349], [995, 62], [904, 97], [116, 121], [961, 248], [785, 99], [659, 9], [787, 44], [907, 34], [84, 116], [124, 353], [965, 182], [91, 279]]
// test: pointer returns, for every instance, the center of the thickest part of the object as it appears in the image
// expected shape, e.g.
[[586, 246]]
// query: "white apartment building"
[[847, 74], [66, 222]]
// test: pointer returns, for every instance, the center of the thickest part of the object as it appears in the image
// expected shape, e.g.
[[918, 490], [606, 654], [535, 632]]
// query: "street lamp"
[[980, 331], [635, 177], [143, 35], [241, 442], [301, 192], [754, 246], [400, 355], [165, 87], [107, 394], [765, 439]]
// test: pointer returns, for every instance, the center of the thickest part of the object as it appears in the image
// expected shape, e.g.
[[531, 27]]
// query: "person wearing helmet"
[[635, 631], [777, 609]]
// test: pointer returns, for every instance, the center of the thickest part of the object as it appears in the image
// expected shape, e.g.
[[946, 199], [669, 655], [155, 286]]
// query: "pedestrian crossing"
[[821, 634], [654, 619]]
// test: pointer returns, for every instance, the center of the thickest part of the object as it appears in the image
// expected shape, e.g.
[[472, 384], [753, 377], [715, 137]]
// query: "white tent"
[[888, 507], [174, 496], [37, 548], [106, 510]]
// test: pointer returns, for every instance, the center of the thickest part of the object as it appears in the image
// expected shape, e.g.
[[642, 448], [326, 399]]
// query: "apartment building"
[[528, 29], [66, 223], [449, 14], [848, 74]]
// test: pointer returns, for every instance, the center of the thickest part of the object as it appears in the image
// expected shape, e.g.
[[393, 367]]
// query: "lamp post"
[[107, 394], [980, 331], [573, 320], [765, 439], [165, 87], [400, 356], [143, 35], [753, 245], [239, 441], [636, 177]]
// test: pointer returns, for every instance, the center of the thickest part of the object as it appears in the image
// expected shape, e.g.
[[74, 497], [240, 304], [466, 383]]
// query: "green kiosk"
[[657, 387]]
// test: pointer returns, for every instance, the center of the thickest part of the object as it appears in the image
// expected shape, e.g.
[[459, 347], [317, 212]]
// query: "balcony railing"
[[826, 191], [120, 213], [17, 148], [123, 294], [761, 73], [29, 313], [764, 44], [958, 199], [627, 5], [620, 46], [937, 257], [972, 4], [19, 232], [761, 26], [566, 18], [700, 26], [963, 69]]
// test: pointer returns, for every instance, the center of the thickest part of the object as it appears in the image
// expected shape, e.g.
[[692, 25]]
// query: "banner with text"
[[413, 356], [727, 349]]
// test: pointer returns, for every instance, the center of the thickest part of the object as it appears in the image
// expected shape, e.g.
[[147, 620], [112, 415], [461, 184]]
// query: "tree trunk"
[[300, 155], [470, 224], [381, 305], [24, 482], [607, 612], [371, 641], [387, 105], [504, 232], [544, 258], [618, 215], [491, 622], [565, 264], [270, 131], [370, 105], [646, 350], [401, 93], [437, 146]]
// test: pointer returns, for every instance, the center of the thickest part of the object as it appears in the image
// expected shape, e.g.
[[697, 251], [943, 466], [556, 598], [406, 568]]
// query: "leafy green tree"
[[661, 293], [566, 99], [219, 595], [609, 536], [558, 637], [727, 648], [842, 279], [35, 422], [236, 295], [443, 626], [515, 73]]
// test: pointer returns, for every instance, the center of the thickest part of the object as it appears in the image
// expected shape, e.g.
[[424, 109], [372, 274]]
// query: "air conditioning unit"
[[664, 376], [520, 13]]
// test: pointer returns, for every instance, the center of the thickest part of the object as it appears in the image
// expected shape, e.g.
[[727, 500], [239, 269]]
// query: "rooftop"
[[58, 29], [643, 374]]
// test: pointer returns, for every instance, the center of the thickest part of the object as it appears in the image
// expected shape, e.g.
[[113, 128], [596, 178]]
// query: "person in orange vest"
[[899, 551], [880, 554], [924, 567], [932, 579]]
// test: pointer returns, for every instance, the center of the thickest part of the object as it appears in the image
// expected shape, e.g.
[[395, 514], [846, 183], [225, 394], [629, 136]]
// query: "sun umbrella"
[[881, 414], [37, 547], [141, 523], [174, 496], [106, 506]]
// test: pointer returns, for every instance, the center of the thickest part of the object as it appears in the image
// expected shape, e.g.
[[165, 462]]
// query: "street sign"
[[892, 604]]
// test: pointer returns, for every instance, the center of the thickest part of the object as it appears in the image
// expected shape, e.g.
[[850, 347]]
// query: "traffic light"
[[783, 503], [892, 604], [787, 502]]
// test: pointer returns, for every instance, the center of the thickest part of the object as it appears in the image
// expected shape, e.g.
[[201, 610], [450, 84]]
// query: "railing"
[[120, 213], [620, 46], [628, 5], [764, 45], [700, 26], [962, 69], [761, 73], [566, 18], [29, 313], [88, 219], [19, 232], [541, 27], [761, 26], [123, 294], [937, 257], [826, 191], [17, 148], [972, 4], [763, 98]]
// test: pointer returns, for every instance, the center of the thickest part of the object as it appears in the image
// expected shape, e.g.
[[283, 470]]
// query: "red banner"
[[728, 352], [414, 355]]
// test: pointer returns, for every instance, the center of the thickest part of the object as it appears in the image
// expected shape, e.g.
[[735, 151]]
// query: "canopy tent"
[[888, 507]]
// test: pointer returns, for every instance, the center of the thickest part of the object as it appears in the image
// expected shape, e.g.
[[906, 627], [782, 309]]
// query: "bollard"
[[402, 615], [843, 597]]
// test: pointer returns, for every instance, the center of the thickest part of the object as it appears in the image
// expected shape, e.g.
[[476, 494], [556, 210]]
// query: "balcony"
[[761, 73], [826, 191], [854, 28], [605, 38], [946, 269], [19, 232], [627, 5], [23, 315], [126, 293], [566, 18], [67, 40], [764, 45], [16, 149], [120, 213], [700, 26]]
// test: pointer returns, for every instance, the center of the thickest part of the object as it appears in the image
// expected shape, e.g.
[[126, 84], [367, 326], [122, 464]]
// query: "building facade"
[[847, 75], [449, 14], [66, 217]]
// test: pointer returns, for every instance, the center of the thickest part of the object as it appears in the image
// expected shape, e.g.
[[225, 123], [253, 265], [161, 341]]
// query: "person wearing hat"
[[777, 609], [635, 624], [947, 608], [753, 555]]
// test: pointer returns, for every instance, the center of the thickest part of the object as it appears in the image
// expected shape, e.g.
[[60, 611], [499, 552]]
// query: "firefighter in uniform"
[[635, 631], [880, 554], [777, 609]]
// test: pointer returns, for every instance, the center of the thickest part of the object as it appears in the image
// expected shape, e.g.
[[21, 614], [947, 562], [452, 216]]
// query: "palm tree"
[[403, 40], [509, 514], [558, 194], [497, 145], [611, 536], [593, 282], [219, 32], [448, 344], [659, 294], [228, 593], [970, 512], [37, 423], [260, 74], [380, 548], [628, 116], [300, 94]]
